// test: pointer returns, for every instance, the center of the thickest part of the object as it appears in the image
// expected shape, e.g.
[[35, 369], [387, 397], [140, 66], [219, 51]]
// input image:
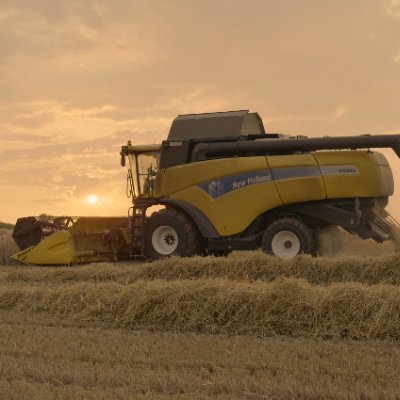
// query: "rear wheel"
[[170, 232], [287, 237]]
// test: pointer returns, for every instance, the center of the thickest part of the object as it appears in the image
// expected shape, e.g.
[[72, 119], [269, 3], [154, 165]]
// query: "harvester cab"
[[221, 183], [144, 163]]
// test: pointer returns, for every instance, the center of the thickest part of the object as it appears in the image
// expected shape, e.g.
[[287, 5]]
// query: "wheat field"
[[248, 326]]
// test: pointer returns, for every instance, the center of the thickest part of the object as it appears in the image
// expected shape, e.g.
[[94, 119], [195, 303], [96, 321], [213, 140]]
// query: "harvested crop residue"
[[247, 326]]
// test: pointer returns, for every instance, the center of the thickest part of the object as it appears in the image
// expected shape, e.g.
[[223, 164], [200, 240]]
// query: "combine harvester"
[[224, 184]]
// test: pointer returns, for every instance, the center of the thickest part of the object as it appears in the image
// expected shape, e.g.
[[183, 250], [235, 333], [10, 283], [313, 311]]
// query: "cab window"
[[148, 165]]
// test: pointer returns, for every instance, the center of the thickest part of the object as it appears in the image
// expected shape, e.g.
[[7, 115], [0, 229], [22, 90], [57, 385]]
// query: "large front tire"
[[170, 232], [287, 237]]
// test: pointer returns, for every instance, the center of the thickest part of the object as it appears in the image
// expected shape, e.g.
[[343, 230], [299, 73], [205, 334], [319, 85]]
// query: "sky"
[[80, 78]]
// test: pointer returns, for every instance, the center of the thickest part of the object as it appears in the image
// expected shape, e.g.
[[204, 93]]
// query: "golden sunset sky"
[[80, 78]]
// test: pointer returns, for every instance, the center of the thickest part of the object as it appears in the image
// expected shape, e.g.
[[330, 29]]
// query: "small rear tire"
[[170, 232], [287, 237]]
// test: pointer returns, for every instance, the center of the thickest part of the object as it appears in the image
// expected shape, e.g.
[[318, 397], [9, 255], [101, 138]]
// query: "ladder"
[[137, 218]]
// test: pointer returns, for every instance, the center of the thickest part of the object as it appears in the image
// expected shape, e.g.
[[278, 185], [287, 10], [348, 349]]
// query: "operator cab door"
[[142, 173]]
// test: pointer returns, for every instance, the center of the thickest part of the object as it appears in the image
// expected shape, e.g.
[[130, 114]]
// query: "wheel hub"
[[285, 244], [169, 239], [288, 244], [165, 240]]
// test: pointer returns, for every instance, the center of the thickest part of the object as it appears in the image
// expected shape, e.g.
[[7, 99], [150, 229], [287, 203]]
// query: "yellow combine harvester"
[[224, 184]]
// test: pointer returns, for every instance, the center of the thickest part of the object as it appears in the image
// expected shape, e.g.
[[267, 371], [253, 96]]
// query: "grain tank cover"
[[216, 126]]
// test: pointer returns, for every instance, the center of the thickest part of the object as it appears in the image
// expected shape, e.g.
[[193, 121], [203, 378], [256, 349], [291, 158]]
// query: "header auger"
[[220, 184]]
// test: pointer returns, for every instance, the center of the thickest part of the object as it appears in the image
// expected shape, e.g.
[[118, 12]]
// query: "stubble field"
[[244, 327]]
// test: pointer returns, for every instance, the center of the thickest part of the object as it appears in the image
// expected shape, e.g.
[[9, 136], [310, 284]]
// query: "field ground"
[[248, 326], [280, 330], [43, 357]]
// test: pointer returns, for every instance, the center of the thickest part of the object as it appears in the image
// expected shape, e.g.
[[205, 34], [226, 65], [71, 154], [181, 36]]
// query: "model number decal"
[[329, 170]]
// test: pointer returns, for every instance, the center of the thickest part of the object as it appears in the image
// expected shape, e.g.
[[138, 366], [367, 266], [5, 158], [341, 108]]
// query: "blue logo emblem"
[[215, 189]]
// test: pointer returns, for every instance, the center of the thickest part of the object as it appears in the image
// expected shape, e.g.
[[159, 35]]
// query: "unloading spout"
[[203, 151]]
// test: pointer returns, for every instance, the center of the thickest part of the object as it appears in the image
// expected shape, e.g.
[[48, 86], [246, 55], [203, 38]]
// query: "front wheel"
[[170, 232], [287, 237]]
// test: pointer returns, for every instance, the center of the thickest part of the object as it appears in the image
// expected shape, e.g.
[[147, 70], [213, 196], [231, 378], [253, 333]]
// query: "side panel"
[[231, 192], [297, 178], [349, 174]]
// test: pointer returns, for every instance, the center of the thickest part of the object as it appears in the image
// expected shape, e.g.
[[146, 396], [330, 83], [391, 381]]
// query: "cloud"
[[7, 13], [77, 29], [340, 112], [22, 137], [393, 7], [64, 174], [106, 146]]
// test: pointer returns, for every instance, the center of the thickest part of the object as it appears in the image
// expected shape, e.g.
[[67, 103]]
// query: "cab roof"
[[217, 125]]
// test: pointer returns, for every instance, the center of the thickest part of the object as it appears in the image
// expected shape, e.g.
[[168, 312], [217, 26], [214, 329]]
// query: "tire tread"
[[306, 239], [163, 217]]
